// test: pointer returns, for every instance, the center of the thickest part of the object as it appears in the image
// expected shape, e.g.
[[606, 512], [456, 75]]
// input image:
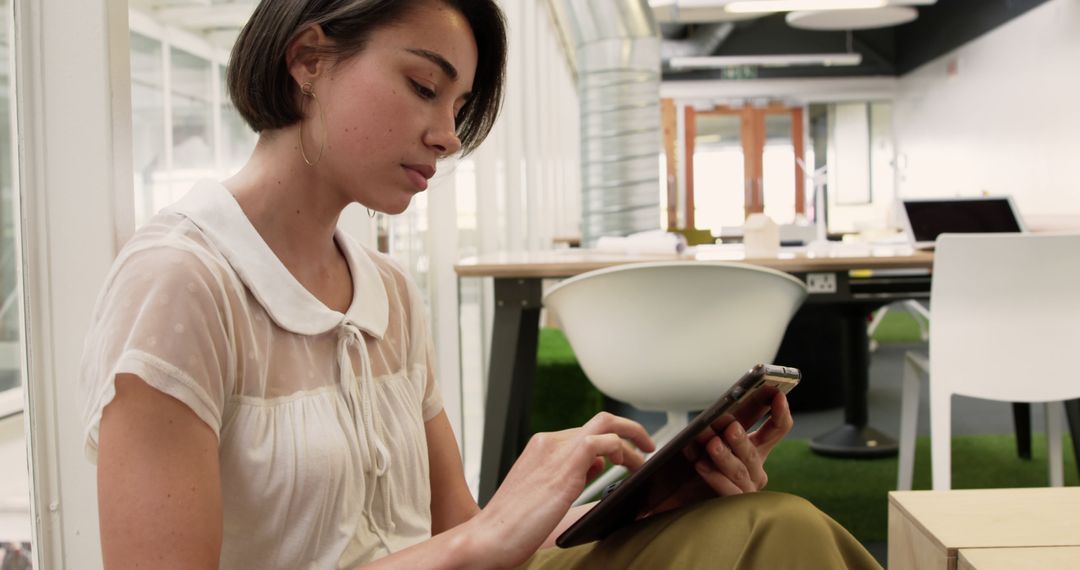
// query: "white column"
[[549, 122], [488, 157], [74, 115], [513, 119], [531, 110], [442, 248]]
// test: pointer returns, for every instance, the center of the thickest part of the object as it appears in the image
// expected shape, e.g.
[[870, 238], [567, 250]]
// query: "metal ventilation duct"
[[615, 45]]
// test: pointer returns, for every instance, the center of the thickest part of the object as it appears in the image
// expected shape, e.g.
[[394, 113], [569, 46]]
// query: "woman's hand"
[[735, 463], [550, 473]]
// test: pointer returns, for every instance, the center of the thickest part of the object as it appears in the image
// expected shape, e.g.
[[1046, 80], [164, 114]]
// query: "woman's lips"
[[418, 175]]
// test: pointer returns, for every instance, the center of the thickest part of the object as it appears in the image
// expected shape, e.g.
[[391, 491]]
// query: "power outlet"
[[821, 282]]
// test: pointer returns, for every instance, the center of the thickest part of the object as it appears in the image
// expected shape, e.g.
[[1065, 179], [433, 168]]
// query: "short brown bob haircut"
[[265, 94]]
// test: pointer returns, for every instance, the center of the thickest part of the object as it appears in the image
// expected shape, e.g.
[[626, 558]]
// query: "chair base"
[[854, 441]]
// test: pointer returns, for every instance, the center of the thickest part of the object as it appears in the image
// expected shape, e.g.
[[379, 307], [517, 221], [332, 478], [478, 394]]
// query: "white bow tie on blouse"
[[359, 397]]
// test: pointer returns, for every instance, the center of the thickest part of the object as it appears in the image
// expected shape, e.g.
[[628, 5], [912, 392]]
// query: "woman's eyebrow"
[[437, 59]]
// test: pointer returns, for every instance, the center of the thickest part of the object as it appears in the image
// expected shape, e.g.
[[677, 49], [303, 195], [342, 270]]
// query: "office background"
[[110, 111]]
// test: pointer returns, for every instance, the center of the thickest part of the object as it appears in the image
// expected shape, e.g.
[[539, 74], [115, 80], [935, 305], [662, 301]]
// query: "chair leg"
[[1053, 443], [1022, 421], [876, 320], [921, 316], [606, 478], [909, 415], [878, 316], [940, 439], [1072, 412]]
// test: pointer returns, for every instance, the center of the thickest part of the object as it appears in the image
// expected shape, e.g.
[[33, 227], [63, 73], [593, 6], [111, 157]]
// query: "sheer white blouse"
[[319, 415]]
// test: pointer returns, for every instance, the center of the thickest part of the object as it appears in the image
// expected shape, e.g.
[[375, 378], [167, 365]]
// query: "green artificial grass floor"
[[562, 397], [897, 326], [855, 491]]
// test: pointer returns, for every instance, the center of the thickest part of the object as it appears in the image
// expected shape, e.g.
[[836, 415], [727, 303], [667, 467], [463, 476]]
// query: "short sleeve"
[[422, 351], [164, 317]]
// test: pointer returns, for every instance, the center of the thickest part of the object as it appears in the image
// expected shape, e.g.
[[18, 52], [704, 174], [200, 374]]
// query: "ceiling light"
[[760, 6], [851, 19], [784, 60]]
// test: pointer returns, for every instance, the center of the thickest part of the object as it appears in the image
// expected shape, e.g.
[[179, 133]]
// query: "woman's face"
[[390, 109]]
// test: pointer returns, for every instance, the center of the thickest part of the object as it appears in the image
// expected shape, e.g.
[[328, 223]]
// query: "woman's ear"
[[306, 54]]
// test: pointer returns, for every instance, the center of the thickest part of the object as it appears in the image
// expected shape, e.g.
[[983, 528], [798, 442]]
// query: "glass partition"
[[192, 117], [185, 128], [148, 123], [9, 295], [15, 520], [236, 137]]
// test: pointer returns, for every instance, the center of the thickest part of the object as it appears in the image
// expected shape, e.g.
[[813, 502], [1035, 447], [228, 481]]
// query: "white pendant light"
[[851, 19], [762, 6]]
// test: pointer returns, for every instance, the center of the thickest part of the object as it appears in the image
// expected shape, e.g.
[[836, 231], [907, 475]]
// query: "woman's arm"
[[451, 501], [159, 488]]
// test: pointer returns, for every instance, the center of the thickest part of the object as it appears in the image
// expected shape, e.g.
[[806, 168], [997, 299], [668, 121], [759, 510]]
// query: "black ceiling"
[[894, 51]]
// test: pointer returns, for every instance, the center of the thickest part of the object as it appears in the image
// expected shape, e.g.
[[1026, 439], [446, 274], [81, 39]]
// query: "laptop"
[[927, 218]]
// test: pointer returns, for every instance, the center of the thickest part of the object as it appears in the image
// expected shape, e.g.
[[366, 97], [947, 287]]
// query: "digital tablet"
[[670, 469]]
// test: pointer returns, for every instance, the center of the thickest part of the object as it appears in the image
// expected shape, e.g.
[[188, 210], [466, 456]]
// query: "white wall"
[[1006, 123]]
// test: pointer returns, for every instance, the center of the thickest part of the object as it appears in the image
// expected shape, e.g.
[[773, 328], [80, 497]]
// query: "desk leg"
[[514, 336], [855, 438]]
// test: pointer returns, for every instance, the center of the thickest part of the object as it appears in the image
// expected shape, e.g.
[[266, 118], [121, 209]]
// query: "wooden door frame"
[[752, 129]]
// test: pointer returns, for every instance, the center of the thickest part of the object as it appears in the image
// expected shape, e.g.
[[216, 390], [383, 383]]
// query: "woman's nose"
[[443, 138]]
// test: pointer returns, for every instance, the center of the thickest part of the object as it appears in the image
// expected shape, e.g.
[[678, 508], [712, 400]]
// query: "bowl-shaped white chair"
[[672, 336]]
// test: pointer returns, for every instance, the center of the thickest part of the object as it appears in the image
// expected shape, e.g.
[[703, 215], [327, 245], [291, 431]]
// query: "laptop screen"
[[928, 218]]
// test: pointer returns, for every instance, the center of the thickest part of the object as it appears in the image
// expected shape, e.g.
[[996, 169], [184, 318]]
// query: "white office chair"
[[672, 336], [1005, 309]]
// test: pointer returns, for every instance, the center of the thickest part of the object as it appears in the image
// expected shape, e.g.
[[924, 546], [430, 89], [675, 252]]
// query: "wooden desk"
[[863, 281], [1018, 558], [987, 527]]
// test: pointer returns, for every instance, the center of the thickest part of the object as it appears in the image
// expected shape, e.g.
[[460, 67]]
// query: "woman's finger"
[[595, 469], [623, 427], [731, 466], [717, 481], [776, 427], [751, 457], [633, 459]]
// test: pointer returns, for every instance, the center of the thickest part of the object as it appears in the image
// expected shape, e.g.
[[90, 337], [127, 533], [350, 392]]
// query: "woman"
[[259, 388]]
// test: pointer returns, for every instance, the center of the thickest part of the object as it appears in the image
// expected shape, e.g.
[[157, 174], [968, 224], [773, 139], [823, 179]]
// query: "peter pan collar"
[[214, 210]]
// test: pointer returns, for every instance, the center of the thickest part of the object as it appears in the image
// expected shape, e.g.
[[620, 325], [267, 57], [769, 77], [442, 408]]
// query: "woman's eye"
[[422, 91]]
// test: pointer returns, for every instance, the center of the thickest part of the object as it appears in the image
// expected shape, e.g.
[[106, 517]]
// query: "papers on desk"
[[643, 243], [834, 249]]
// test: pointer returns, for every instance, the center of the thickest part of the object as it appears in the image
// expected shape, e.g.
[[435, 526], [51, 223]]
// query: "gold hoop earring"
[[308, 91]]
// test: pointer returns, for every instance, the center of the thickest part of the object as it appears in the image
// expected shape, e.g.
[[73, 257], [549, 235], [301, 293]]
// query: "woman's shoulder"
[[170, 245]]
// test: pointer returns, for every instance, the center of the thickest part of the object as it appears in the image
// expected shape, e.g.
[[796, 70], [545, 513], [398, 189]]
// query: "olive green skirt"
[[756, 530]]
